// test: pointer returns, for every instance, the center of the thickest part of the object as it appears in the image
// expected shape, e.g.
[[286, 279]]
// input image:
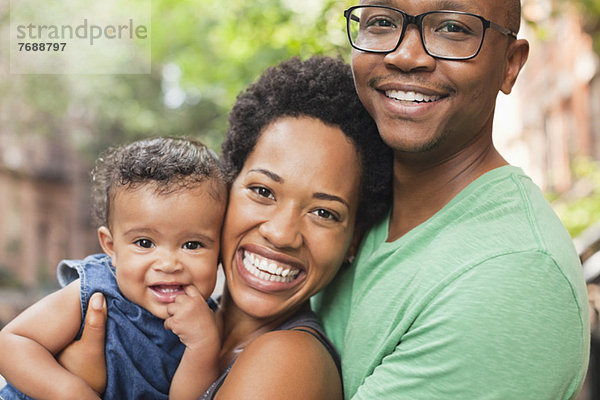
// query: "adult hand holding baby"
[[85, 357]]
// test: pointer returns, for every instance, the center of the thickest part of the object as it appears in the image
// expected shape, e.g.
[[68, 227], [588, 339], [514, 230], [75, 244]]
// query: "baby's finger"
[[192, 291], [172, 308], [168, 324]]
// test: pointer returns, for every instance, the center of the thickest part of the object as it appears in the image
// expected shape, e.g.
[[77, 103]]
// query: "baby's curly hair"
[[321, 88], [168, 163]]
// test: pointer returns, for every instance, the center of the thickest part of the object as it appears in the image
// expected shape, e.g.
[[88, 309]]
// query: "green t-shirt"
[[485, 300]]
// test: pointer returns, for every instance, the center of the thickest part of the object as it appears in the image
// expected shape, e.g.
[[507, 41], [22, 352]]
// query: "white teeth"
[[268, 271], [410, 96], [272, 268], [168, 290]]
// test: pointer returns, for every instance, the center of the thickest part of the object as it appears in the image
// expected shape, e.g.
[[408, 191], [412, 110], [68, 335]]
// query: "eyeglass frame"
[[418, 21]]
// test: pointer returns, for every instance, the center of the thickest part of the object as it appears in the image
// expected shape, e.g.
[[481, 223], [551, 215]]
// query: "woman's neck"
[[239, 328]]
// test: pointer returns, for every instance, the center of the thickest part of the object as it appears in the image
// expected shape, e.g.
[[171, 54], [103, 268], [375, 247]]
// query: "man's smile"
[[411, 96]]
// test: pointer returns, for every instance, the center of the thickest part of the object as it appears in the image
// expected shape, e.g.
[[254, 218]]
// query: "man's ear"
[[516, 55], [106, 242]]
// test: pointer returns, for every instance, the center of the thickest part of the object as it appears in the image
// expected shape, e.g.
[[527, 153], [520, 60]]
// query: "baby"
[[159, 204]]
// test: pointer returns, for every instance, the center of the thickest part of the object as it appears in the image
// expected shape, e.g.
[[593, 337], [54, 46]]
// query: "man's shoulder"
[[500, 215]]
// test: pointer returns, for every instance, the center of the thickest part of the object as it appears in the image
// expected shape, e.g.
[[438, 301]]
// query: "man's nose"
[[410, 55]]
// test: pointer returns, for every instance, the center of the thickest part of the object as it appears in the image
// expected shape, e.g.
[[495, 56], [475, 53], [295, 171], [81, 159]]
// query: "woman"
[[308, 175]]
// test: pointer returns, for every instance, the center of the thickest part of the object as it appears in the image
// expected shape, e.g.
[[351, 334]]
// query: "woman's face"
[[291, 216]]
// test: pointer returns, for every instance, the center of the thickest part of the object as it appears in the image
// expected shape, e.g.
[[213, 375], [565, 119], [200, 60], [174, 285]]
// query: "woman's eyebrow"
[[268, 173], [317, 195], [330, 197]]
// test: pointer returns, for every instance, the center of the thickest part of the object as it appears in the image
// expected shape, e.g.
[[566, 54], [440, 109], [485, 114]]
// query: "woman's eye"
[[263, 192], [192, 245], [145, 243], [326, 214]]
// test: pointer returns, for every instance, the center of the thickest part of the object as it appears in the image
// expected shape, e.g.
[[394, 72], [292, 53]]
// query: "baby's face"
[[161, 243]]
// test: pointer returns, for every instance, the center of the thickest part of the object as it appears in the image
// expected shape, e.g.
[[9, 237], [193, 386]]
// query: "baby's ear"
[[106, 242]]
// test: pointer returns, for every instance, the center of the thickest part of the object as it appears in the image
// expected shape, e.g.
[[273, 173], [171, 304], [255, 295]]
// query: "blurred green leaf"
[[210, 52]]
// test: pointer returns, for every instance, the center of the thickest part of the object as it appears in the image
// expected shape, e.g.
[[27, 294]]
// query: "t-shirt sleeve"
[[67, 271], [505, 329]]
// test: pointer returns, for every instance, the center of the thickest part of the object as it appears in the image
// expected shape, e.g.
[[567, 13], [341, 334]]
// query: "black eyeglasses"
[[449, 35]]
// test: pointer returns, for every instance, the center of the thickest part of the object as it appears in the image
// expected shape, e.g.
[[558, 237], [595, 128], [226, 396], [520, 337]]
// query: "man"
[[471, 288]]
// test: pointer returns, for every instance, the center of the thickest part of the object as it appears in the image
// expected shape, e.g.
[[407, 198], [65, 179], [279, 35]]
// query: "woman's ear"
[[353, 249], [106, 242]]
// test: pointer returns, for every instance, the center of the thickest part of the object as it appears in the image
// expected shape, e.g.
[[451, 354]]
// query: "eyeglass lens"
[[445, 34]]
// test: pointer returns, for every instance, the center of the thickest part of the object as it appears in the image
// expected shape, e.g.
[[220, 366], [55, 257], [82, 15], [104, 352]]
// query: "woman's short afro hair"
[[321, 88]]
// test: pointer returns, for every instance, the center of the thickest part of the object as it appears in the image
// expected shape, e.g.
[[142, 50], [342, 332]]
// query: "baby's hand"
[[192, 320]]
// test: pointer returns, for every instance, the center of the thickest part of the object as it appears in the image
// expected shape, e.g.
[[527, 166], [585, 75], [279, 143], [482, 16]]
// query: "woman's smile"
[[268, 271], [291, 216]]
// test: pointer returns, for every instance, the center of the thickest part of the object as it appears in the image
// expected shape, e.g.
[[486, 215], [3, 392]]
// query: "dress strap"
[[325, 343]]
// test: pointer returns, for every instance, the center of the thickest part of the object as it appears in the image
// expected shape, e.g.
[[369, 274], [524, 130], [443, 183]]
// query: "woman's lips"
[[268, 270], [265, 273]]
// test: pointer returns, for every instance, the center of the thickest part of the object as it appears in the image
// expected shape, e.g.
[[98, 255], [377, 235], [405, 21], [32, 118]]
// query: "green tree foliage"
[[580, 207], [204, 52]]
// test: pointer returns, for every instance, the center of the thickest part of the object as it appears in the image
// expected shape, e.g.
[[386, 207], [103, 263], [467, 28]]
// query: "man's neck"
[[422, 189]]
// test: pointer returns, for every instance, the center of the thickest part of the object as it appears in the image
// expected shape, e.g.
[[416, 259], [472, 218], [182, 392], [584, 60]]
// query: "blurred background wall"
[[203, 53]]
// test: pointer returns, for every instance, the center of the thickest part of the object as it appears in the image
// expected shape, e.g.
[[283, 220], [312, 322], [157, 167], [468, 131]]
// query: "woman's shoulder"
[[298, 343], [284, 364]]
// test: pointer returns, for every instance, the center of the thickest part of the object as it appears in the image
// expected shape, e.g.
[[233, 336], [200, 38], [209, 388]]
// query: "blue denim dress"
[[141, 355]]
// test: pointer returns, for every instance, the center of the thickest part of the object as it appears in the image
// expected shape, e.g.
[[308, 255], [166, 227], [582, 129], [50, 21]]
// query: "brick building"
[[44, 209]]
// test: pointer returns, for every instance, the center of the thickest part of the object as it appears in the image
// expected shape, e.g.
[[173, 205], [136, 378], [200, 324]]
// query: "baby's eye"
[[326, 214], [192, 245], [262, 192], [145, 243]]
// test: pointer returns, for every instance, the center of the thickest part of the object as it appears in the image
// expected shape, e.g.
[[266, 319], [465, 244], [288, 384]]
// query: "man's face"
[[426, 105]]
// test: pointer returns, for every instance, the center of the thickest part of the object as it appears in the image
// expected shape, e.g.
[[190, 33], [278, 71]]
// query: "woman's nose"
[[282, 228]]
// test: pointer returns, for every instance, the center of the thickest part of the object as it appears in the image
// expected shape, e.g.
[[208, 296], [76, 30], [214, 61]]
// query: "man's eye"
[[262, 192], [454, 27], [380, 22], [145, 243], [192, 245]]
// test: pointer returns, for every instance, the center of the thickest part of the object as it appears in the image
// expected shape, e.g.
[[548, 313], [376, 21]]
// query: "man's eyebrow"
[[453, 5], [378, 3], [450, 5], [330, 197], [269, 174]]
